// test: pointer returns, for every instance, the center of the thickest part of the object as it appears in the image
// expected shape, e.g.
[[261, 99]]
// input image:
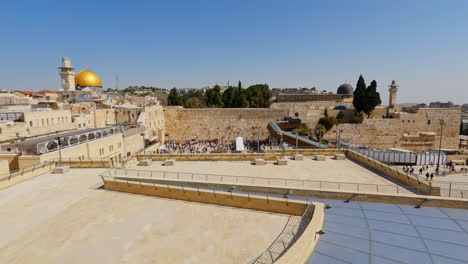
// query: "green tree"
[[213, 97], [229, 97], [372, 98], [174, 97], [340, 115], [359, 95], [327, 122], [259, 95]]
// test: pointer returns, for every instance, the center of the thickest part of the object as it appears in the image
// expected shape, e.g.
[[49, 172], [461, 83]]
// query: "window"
[[1, 132], [47, 121], [42, 121], [30, 123], [428, 122]]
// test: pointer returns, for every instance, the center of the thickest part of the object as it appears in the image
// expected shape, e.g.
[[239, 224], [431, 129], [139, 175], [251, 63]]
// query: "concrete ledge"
[[282, 162], [305, 245], [61, 170], [389, 198], [169, 162], [340, 156], [319, 157], [259, 162], [145, 162], [299, 157], [261, 203]]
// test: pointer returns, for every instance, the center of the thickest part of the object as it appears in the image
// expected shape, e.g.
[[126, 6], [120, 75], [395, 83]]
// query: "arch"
[[98, 134], [73, 140], [91, 136], [105, 133], [111, 131], [340, 107], [52, 145], [83, 138]]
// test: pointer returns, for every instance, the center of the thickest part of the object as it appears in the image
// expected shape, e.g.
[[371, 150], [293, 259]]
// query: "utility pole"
[[60, 151], [297, 134], [440, 144]]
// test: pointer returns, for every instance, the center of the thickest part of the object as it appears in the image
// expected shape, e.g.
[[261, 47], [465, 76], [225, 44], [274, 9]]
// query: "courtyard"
[[68, 219]]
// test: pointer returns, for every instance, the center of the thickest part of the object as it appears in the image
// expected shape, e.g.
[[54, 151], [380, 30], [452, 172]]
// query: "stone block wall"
[[405, 130], [219, 123]]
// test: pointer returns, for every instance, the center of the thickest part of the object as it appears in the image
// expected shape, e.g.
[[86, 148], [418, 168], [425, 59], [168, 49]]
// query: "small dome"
[[345, 88], [87, 78]]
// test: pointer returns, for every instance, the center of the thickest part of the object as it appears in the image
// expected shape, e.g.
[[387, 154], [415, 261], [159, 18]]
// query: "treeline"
[[255, 96]]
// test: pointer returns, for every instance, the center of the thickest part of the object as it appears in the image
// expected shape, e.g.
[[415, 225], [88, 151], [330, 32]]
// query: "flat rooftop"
[[67, 219], [330, 170]]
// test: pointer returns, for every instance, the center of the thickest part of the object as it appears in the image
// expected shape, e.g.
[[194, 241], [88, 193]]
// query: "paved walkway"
[[64, 219]]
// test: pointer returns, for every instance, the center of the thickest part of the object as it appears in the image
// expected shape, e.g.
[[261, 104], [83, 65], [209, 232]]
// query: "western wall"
[[219, 123]]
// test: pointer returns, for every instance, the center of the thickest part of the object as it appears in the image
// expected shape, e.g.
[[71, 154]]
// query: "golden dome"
[[87, 78]]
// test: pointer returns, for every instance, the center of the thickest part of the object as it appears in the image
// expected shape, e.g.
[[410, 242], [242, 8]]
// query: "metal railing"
[[274, 182], [291, 232], [21, 172]]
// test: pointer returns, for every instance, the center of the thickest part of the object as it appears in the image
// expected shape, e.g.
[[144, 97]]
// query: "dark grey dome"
[[345, 88]]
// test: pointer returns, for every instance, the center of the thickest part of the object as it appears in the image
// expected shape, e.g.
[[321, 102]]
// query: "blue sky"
[[423, 45]]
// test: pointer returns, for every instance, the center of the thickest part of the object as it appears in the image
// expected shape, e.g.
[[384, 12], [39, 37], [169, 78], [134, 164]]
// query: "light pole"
[[60, 151], [169, 143], [440, 144], [338, 135], [297, 133], [144, 146], [319, 133], [282, 145]]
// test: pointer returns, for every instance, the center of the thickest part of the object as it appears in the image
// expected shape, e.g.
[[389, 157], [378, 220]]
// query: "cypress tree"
[[359, 95]]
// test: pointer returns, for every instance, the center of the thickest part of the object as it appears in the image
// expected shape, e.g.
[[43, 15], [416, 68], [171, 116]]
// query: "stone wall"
[[413, 131], [219, 123]]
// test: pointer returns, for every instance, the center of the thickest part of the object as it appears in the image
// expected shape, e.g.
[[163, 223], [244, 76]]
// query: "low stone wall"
[[275, 205], [391, 198], [305, 245], [239, 156], [25, 174], [393, 173]]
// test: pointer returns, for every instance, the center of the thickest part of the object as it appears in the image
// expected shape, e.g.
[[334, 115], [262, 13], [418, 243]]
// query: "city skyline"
[[421, 45]]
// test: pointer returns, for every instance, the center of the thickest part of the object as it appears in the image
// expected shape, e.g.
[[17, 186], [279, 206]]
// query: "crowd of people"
[[430, 170], [194, 147]]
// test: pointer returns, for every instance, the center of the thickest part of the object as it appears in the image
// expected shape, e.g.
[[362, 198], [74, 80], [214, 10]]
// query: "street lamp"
[[338, 135], [442, 123], [144, 145], [282, 145], [169, 141], [60, 151], [296, 131], [258, 140], [319, 133]]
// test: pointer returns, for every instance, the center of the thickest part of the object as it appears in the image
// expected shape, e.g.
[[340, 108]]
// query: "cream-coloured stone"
[[259, 162], [145, 162], [282, 162], [340, 156], [61, 170], [169, 162], [319, 157], [298, 157], [68, 216]]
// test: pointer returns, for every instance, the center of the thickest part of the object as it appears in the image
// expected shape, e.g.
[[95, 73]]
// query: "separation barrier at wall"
[[394, 173]]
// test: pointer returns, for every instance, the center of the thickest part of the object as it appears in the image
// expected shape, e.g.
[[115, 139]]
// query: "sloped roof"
[[45, 91]]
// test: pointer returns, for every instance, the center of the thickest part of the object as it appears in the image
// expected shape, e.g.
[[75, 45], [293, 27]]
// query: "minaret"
[[392, 98], [67, 75]]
